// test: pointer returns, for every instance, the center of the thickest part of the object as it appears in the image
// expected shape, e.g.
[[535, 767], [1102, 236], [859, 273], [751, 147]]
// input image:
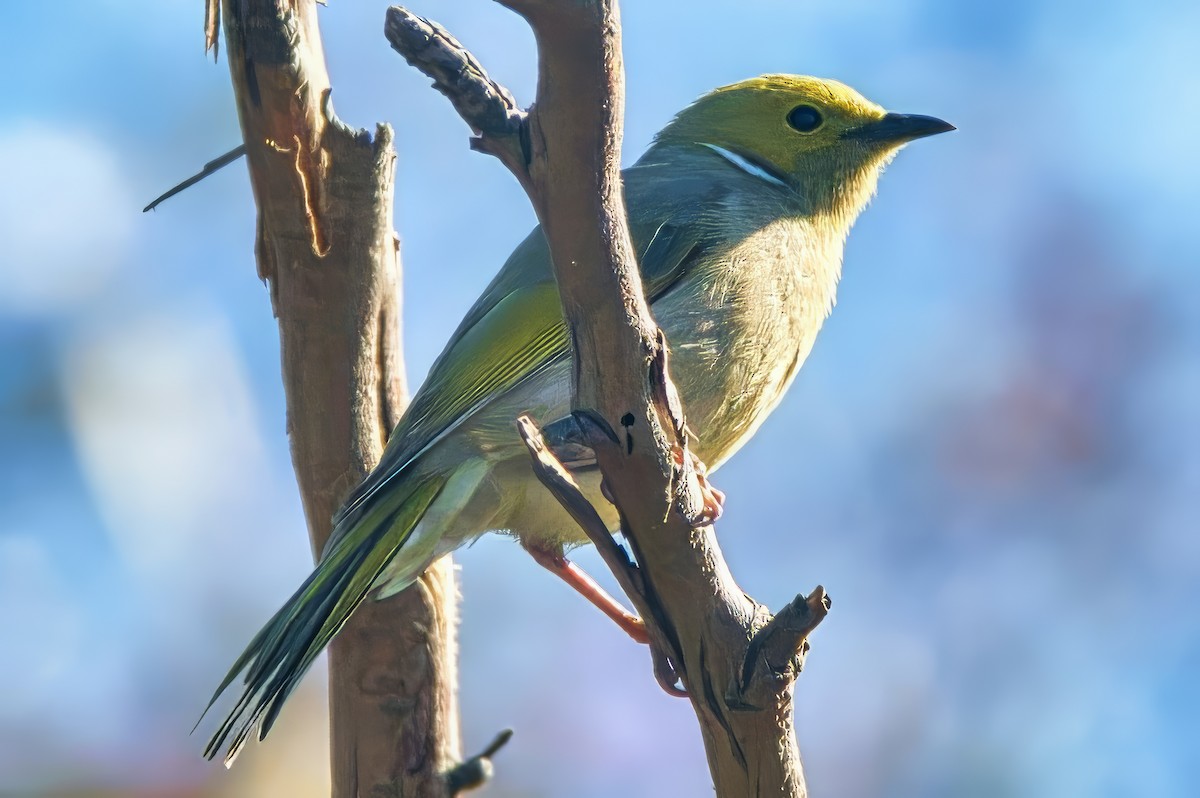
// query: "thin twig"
[[477, 770], [555, 477], [551, 473], [213, 166]]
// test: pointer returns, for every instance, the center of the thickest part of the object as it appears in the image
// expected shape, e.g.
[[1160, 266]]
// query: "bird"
[[738, 211]]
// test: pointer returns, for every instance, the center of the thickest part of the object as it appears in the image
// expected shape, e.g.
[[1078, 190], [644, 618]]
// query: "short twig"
[[779, 648], [477, 770], [487, 107], [216, 164]]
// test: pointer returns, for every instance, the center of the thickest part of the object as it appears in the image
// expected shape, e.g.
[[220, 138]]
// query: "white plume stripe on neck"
[[745, 165]]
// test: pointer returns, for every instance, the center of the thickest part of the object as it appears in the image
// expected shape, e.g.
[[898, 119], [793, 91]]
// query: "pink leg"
[[576, 577]]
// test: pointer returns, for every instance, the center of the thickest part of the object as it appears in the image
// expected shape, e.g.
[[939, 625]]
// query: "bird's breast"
[[740, 325]]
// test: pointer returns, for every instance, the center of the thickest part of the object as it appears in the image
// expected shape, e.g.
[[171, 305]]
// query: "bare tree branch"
[[326, 247], [738, 665]]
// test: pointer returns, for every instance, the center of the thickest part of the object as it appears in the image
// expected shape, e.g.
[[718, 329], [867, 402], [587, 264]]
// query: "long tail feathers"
[[281, 653]]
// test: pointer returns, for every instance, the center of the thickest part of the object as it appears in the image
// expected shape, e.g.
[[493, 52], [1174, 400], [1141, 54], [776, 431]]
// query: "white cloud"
[[66, 214]]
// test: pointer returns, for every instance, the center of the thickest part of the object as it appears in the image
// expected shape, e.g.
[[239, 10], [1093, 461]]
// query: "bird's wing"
[[512, 333]]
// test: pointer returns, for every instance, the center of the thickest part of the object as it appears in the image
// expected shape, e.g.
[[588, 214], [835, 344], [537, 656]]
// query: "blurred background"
[[989, 460]]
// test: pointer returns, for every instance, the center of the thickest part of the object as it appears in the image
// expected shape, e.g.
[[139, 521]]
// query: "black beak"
[[898, 129]]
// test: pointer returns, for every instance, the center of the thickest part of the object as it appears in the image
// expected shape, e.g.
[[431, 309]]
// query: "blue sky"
[[989, 458]]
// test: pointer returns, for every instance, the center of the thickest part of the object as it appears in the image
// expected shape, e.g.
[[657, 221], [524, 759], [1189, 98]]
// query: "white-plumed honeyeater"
[[738, 211]]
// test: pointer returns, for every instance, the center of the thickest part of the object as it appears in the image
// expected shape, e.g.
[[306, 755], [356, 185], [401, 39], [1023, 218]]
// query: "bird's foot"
[[713, 498]]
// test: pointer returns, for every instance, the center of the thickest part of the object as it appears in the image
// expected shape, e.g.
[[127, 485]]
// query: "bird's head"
[[819, 138]]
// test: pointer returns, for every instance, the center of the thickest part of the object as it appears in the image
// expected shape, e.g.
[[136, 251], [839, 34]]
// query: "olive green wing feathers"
[[513, 332], [282, 652]]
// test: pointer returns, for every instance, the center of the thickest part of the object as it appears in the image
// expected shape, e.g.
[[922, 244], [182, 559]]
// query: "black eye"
[[805, 118]]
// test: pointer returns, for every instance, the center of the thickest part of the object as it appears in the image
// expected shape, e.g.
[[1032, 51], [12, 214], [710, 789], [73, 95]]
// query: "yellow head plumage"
[[820, 137]]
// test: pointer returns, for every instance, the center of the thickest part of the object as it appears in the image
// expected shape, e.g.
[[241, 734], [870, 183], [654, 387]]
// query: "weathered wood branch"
[[326, 248], [738, 665]]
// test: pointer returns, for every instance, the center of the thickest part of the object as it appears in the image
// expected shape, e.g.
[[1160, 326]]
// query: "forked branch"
[[737, 664]]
